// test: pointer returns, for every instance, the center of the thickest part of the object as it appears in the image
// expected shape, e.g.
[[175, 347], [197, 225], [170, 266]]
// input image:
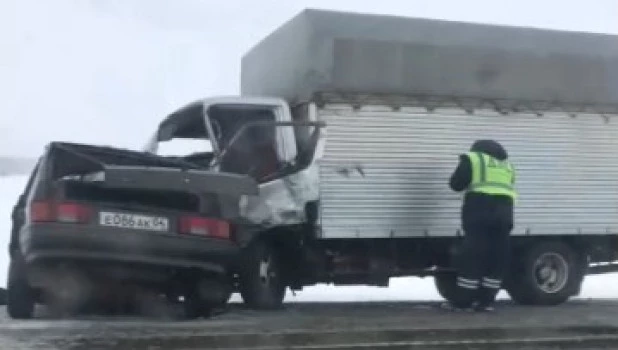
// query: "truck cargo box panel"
[[321, 51], [385, 174]]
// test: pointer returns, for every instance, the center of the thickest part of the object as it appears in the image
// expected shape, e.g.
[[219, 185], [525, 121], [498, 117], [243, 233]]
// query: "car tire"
[[446, 284], [262, 284], [20, 295], [3, 296], [547, 274]]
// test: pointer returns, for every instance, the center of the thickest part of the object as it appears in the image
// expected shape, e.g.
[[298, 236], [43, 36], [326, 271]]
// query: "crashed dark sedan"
[[95, 225]]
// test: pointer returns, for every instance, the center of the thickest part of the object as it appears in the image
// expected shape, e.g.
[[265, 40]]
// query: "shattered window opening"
[[254, 151]]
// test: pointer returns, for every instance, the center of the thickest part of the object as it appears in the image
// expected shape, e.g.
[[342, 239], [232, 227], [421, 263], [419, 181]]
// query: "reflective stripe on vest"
[[491, 176]]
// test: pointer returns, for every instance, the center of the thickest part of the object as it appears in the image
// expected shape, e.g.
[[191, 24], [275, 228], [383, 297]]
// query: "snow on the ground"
[[401, 289], [423, 289]]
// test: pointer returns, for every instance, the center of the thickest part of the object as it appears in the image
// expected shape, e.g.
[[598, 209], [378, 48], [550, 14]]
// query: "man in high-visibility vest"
[[487, 178]]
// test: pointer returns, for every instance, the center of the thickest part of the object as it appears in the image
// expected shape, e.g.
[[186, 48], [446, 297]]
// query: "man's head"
[[491, 148]]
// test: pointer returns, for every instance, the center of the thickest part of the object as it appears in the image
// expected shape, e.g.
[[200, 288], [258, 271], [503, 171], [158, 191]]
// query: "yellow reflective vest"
[[491, 176]]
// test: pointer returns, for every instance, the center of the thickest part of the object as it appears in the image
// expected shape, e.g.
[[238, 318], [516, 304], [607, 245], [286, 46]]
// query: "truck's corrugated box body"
[[566, 170], [321, 51]]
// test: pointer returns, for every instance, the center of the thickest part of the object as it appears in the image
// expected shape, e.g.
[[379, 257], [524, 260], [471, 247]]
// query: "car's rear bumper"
[[43, 243]]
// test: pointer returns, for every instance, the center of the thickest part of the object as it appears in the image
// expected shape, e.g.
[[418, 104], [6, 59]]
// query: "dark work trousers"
[[482, 263]]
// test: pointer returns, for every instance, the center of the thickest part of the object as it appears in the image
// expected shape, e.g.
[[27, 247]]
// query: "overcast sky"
[[106, 71]]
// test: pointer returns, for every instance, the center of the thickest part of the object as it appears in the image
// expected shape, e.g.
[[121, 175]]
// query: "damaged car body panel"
[[122, 169], [180, 180]]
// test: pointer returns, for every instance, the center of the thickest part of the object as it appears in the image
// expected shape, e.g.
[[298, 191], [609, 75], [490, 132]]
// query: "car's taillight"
[[200, 226], [72, 213], [49, 211], [41, 212]]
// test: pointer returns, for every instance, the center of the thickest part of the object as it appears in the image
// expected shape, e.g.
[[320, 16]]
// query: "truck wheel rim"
[[551, 272]]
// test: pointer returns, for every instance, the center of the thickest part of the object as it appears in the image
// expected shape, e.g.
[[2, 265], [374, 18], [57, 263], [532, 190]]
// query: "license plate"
[[134, 221]]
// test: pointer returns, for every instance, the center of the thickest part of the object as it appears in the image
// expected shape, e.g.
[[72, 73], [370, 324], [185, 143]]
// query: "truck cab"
[[251, 136]]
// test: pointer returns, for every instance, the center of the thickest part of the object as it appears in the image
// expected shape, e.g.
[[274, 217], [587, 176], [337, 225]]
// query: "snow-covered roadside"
[[401, 289]]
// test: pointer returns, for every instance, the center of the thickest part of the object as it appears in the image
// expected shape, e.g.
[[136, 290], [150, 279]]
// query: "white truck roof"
[[323, 51]]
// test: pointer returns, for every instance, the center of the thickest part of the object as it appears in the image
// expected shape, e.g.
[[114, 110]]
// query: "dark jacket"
[[480, 209]]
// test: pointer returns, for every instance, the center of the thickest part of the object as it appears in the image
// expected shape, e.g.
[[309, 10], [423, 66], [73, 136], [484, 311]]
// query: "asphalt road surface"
[[575, 325]]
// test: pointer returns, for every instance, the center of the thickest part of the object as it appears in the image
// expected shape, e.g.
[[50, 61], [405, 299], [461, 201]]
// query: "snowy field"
[[401, 289]]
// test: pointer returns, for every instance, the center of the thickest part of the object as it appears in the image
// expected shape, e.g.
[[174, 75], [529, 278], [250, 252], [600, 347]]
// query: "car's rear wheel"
[[261, 281], [20, 295]]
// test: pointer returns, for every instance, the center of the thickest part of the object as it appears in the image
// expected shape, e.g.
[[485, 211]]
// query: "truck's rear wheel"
[[261, 282], [446, 284], [547, 274], [20, 295]]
